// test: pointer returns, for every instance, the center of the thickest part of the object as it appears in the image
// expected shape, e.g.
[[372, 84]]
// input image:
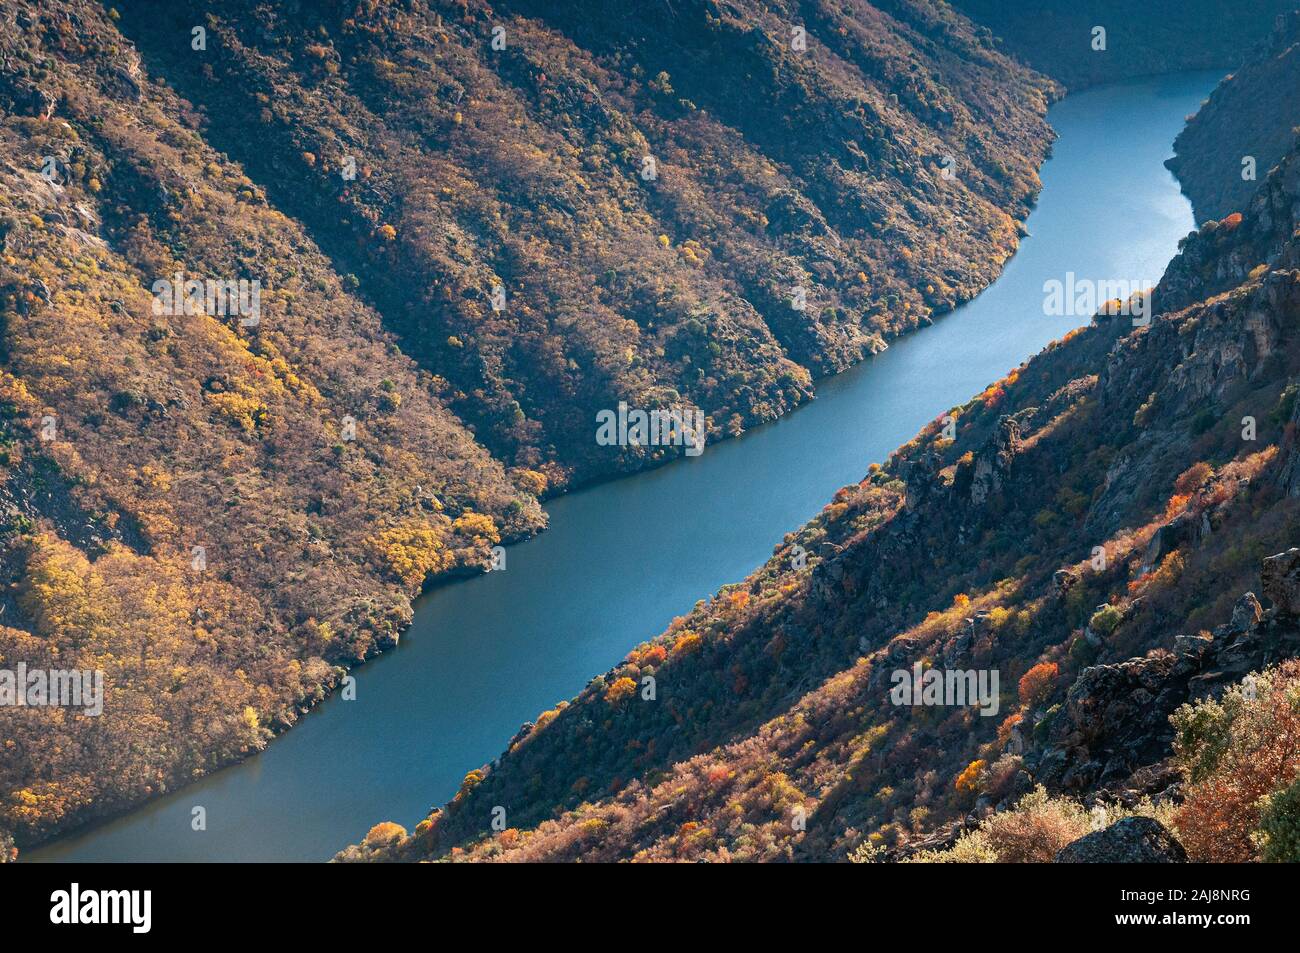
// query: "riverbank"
[[622, 558]]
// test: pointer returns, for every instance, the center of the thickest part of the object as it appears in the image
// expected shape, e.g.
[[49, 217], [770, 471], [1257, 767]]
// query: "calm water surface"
[[621, 559]]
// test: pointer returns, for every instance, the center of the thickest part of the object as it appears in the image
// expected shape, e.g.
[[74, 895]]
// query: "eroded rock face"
[[1280, 577], [922, 480], [791, 212], [1247, 613], [993, 465], [1132, 840], [1115, 719], [1168, 538]]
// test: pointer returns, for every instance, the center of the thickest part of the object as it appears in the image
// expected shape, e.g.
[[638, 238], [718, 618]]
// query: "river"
[[622, 558]]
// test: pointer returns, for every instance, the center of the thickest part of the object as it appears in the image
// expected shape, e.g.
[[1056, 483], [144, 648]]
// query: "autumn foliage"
[[1037, 683], [1236, 752]]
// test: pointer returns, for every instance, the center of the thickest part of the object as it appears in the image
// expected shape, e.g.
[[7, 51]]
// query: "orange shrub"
[[619, 690], [1008, 725], [1177, 503], [1234, 752], [686, 644], [969, 778], [383, 833], [1037, 683], [1192, 477]]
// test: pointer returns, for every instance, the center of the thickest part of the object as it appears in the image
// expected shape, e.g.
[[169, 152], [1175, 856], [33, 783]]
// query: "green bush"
[[1105, 619], [1278, 836], [1203, 733]]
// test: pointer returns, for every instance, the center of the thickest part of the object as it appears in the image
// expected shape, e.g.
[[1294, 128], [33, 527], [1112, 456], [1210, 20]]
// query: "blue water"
[[622, 558]]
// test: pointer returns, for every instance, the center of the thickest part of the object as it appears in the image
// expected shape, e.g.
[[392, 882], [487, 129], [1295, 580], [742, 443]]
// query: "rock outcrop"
[[1115, 719], [1280, 580], [1131, 840]]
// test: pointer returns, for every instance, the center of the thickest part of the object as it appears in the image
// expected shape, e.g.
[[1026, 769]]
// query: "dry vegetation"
[[179, 431], [228, 515], [773, 735], [524, 168]]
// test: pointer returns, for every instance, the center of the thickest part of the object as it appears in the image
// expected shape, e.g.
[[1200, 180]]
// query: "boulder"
[[1167, 538], [1192, 644], [1280, 576], [1246, 613], [1115, 719], [1133, 840]]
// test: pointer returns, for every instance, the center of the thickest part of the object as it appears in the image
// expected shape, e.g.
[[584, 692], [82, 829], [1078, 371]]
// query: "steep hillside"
[[1252, 115], [183, 504], [1157, 36], [223, 496], [1222, 254], [1089, 537], [646, 185]]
